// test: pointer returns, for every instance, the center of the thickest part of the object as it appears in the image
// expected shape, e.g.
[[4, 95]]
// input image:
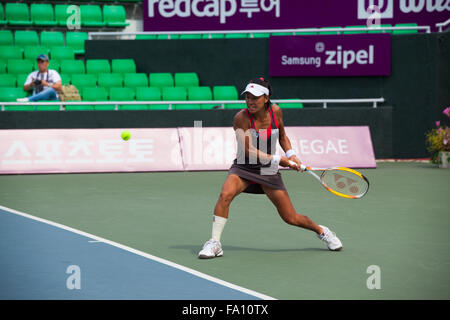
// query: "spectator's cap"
[[43, 57]]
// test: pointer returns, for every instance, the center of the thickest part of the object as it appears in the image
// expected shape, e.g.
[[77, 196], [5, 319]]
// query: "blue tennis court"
[[43, 260]]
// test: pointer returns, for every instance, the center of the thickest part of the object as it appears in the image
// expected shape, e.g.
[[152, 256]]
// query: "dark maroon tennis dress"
[[253, 170]]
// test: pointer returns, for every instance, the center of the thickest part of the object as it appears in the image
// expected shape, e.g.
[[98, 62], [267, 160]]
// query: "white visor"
[[256, 89]]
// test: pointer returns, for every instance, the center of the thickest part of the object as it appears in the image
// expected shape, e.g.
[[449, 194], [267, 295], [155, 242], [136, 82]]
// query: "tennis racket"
[[341, 181]]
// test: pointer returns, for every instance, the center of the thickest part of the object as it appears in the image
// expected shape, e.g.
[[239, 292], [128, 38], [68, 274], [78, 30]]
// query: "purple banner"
[[330, 55], [198, 15]]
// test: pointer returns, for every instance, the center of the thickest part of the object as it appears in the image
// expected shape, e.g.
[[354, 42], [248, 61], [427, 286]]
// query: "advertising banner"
[[198, 15], [88, 150], [215, 148], [193, 148], [330, 55], [325, 147]]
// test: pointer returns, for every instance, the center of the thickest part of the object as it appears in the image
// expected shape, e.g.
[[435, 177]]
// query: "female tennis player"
[[255, 169]]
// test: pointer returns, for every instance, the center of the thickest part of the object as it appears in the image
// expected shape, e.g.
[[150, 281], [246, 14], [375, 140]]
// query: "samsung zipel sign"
[[350, 55]]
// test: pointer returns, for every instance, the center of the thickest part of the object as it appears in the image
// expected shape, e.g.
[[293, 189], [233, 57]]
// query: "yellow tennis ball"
[[126, 135]]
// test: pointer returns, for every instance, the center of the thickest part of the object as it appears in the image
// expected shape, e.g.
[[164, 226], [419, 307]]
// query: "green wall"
[[417, 89]]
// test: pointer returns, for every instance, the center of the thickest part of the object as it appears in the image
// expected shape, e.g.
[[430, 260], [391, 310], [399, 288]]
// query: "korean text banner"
[[198, 15], [88, 150], [173, 149], [330, 55]]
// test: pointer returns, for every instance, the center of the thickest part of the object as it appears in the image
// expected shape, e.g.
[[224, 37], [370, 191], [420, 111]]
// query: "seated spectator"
[[46, 83]]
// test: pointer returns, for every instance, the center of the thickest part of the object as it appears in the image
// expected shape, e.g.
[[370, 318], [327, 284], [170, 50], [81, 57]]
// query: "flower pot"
[[444, 159]]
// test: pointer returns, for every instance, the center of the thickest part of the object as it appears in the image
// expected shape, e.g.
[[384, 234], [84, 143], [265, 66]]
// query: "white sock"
[[217, 227]]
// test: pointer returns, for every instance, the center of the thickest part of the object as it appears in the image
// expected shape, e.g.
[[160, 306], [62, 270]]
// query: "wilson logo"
[[386, 7]]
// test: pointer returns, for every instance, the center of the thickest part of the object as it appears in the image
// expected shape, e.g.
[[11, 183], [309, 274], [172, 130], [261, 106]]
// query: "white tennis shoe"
[[333, 242], [211, 249]]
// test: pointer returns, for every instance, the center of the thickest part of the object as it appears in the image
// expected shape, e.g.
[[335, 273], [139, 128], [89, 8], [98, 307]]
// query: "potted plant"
[[438, 143]]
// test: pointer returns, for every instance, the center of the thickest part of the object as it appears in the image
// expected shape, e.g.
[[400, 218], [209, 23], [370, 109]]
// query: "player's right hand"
[[285, 162]]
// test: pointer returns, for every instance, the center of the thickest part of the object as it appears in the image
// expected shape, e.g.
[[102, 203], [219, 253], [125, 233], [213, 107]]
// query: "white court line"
[[143, 254]]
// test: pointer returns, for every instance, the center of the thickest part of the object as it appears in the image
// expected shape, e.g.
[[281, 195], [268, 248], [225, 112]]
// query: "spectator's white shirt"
[[51, 76]]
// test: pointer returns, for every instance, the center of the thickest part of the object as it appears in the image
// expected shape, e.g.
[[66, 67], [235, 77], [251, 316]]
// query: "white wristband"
[[276, 159], [290, 153]]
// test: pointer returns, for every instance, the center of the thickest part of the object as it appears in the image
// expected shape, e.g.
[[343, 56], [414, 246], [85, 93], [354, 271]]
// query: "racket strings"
[[345, 182]]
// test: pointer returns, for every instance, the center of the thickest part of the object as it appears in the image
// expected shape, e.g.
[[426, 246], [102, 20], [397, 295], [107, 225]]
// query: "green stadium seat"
[[17, 14], [91, 16], [282, 34], [305, 33], [7, 80], [227, 93], [213, 36], [24, 38], [123, 66], [412, 31], [2, 66], [150, 94], [76, 41], [11, 94], [376, 30], [82, 81], [161, 79], [328, 32], [42, 15], [350, 31], [260, 35], [145, 37], [95, 94], [32, 52], [21, 78], [72, 67], [135, 80], [96, 66], [186, 79], [6, 38], [122, 94], [200, 94], [236, 35], [16, 66], [115, 16], [2, 16], [44, 107], [61, 14], [175, 94], [110, 80], [290, 105], [167, 36], [54, 64], [51, 39], [61, 53], [81, 107], [10, 52], [65, 78], [190, 36]]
